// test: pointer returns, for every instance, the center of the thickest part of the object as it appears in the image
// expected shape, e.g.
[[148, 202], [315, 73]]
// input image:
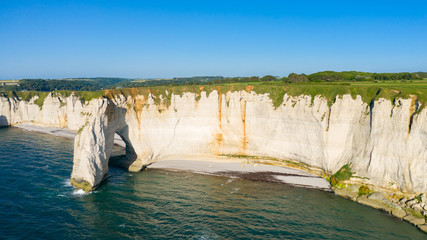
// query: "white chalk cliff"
[[385, 142]]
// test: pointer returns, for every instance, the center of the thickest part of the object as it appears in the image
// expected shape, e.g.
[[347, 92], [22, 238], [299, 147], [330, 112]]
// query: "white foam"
[[67, 183], [79, 192]]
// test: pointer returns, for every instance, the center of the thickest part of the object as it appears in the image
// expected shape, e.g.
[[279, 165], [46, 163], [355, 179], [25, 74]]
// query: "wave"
[[67, 183], [79, 192]]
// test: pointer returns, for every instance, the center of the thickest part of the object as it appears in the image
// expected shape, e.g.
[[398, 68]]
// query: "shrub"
[[364, 190], [333, 181], [344, 173]]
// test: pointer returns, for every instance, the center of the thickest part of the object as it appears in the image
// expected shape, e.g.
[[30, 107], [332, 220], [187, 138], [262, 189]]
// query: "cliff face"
[[383, 141], [62, 112]]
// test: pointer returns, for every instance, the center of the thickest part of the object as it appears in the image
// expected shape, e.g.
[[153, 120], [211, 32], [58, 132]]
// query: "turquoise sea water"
[[37, 202]]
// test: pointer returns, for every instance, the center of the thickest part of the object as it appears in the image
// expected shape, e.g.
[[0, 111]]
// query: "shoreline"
[[60, 132], [250, 171], [272, 171], [211, 165]]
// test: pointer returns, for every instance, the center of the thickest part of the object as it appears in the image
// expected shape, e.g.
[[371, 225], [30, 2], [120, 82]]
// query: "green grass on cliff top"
[[367, 90]]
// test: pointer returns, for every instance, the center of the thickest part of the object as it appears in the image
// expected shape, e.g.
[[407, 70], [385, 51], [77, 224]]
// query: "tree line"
[[96, 84], [331, 76]]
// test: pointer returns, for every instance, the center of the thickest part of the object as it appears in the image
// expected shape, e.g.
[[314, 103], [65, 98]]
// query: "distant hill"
[[78, 84], [174, 81], [99, 83], [422, 74]]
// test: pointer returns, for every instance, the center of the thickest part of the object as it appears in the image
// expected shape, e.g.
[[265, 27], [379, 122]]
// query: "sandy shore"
[[60, 132], [258, 172]]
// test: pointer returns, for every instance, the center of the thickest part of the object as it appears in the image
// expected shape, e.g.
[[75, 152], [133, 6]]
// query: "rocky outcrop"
[[382, 140], [94, 143]]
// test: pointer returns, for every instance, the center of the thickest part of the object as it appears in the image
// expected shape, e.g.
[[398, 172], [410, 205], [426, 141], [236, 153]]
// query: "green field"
[[9, 81], [154, 79]]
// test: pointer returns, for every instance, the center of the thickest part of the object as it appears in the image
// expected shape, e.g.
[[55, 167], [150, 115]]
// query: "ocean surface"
[[38, 202]]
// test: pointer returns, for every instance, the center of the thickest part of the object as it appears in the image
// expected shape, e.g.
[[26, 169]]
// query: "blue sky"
[[56, 39]]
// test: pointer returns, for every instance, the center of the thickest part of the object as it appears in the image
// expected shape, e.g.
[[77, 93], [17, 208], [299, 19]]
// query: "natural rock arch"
[[130, 159]]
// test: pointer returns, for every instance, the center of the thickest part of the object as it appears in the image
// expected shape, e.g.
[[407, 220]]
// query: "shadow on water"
[[119, 162], [3, 121]]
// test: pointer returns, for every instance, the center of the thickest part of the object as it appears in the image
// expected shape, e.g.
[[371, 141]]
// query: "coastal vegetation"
[[27, 96], [344, 173], [368, 91], [328, 85], [363, 190]]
